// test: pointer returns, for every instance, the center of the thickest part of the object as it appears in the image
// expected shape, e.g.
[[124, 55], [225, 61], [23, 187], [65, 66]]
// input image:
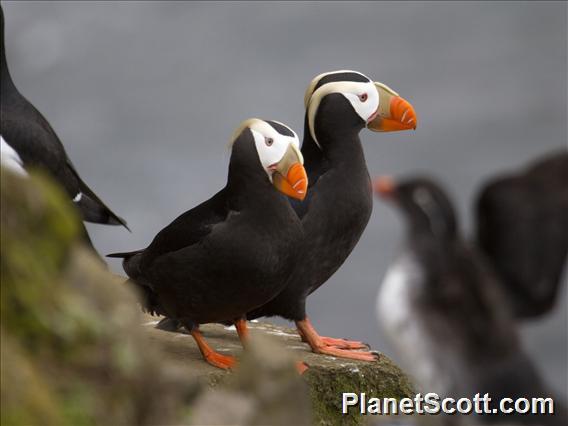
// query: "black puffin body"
[[28, 141], [522, 227], [339, 203], [232, 253], [329, 238], [443, 306]]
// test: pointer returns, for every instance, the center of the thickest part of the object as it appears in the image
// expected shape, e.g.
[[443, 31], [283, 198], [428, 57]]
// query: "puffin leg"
[[301, 367], [243, 332], [338, 343], [318, 345], [212, 357]]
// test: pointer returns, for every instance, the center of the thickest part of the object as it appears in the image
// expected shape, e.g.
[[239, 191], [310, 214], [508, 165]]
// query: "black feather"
[[26, 130]]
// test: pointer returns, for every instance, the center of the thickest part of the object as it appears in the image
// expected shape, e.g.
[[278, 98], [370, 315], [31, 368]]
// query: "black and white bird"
[[335, 213], [522, 226], [234, 252], [29, 142], [443, 307]]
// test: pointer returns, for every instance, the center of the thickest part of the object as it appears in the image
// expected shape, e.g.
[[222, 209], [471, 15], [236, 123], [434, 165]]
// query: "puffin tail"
[[148, 298], [124, 254], [130, 262]]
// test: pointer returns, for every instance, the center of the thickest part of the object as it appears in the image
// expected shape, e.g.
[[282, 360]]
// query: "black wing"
[[522, 227], [188, 229]]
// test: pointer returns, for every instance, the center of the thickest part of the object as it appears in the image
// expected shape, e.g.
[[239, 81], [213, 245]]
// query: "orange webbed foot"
[[343, 343], [349, 354], [335, 347], [224, 362], [214, 358]]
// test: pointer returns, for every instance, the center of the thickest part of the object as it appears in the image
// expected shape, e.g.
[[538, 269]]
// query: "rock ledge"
[[327, 378]]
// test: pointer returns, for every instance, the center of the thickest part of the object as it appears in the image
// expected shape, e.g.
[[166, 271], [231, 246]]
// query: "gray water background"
[[145, 96]]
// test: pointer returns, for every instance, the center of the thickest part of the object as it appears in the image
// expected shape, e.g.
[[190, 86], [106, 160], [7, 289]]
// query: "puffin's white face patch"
[[10, 159], [271, 145], [363, 96]]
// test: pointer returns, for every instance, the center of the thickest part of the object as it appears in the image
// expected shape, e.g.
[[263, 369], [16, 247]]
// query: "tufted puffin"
[[29, 142], [522, 226], [443, 306], [335, 213], [232, 253]]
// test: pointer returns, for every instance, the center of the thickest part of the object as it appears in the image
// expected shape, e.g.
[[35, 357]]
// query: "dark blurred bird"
[[442, 305], [338, 206], [29, 142], [522, 227], [233, 252]]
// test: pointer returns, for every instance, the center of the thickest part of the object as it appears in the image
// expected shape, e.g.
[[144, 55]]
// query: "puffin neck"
[[247, 182], [340, 146], [418, 231], [7, 85]]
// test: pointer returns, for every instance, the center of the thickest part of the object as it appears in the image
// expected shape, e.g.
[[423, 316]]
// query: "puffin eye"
[[268, 141], [363, 97]]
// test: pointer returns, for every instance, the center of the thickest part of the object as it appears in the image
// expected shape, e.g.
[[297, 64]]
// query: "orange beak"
[[290, 177], [394, 113], [295, 184], [384, 186]]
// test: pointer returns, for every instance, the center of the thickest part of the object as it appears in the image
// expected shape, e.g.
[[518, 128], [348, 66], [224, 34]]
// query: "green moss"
[[77, 406], [382, 380], [37, 229], [73, 352], [25, 394]]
